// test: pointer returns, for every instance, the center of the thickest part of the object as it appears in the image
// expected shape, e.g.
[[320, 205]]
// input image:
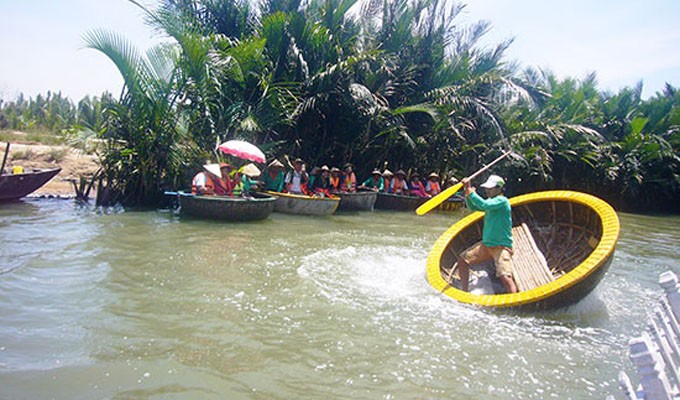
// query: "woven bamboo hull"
[[575, 231], [16, 186], [357, 201], [304, 205], [389, 201], [451, 204], [226, 208]]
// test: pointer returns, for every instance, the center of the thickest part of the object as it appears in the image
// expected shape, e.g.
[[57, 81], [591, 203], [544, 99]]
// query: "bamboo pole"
[[4, 159]]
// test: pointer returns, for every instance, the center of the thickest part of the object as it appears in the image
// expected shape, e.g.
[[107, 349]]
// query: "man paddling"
[[496, 241]]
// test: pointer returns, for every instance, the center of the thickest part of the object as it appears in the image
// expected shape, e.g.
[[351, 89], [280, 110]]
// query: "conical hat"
[[275, 163], [251, 170], [213, 169], [387, 172]]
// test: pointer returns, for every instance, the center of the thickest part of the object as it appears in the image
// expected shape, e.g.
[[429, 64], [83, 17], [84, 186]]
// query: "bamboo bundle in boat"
[[530, 267]]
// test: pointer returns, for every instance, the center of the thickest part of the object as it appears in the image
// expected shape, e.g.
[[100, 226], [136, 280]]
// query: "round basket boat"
[[304, 205], [357, 201], [398, 202], [227, 208], [563, 244]]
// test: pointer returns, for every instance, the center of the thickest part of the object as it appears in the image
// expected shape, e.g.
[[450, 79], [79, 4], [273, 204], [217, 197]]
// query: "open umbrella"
[[242, 149]]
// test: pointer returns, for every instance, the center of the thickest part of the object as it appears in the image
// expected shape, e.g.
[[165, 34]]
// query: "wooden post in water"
[[4, 159]]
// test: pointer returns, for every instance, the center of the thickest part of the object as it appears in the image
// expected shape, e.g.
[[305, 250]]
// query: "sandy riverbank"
[[73, 164]]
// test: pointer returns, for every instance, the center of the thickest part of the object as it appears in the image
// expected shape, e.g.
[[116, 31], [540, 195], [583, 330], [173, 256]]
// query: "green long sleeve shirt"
[[497, 219], [274, 184], [380, 185]]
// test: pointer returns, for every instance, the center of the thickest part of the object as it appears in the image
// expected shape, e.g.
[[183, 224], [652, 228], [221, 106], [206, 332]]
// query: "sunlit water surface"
[[113, 304]]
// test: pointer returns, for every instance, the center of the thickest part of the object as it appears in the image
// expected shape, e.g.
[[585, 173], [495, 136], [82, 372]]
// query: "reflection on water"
[[98, 304]]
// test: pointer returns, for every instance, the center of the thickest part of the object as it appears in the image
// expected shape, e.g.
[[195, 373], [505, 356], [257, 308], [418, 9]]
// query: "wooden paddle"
[[445, 194]]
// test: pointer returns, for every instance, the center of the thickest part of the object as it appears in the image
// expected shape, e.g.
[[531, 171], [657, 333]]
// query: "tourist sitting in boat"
[[375, 182], [321, 185], [313, 175], [335, 180], [496, 241], [387, 180], [212, 181], [450, 182], [274, 178], [233, 182], [432, 187], [416, 187], [204, 181], [296, 180], [398, 184], [349, 179], [249, 174]]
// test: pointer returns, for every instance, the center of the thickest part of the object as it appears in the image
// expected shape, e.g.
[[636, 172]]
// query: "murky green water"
[[138, 305]]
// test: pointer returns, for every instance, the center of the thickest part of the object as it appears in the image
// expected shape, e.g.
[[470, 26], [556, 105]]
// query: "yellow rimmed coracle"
[[567, 237]]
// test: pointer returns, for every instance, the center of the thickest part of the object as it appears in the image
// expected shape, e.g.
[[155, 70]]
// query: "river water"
[[150, 305]]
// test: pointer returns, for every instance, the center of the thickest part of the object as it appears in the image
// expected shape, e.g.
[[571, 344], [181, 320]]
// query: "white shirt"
[[294, 178]]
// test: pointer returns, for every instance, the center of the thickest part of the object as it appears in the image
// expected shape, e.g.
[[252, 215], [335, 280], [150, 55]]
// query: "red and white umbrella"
[[242, 149]]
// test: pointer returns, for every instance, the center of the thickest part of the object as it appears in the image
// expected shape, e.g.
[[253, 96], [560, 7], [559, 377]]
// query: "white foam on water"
[[388, 280]]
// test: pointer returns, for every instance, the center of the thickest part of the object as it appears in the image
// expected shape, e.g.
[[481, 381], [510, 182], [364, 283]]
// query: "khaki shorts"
[[501, 256]]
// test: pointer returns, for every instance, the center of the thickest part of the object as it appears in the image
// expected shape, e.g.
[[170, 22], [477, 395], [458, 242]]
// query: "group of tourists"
[[325, 181], [225, 180], [496, 244]]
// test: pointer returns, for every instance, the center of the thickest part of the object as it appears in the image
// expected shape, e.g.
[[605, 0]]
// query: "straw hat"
[[325, 168], [251, 171], [433, 175], [400, 172], [275, 164], [334, 169], [415, 175], [213, 169], [387, 172], [348, 165], [376, 172]]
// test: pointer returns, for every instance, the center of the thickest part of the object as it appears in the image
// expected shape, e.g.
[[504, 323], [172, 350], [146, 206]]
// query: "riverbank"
[[73, 163]]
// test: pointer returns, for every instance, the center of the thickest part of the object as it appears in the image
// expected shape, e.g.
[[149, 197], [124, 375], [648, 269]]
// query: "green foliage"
[[377, 83]]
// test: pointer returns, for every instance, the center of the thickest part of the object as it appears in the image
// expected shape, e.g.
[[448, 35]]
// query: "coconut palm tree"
[[144, 131]]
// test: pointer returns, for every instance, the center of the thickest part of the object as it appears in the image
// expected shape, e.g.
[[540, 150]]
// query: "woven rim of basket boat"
[[599, 255], [225, 199], [302, 196]]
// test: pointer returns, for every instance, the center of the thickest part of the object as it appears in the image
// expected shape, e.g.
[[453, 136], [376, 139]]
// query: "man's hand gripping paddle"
[[445, 194]]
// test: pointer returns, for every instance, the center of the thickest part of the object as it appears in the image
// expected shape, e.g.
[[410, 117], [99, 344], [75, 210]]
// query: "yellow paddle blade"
[[438, 199]]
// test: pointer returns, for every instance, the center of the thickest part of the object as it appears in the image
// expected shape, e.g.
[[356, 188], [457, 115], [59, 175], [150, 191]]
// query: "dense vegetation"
[[384, 83]]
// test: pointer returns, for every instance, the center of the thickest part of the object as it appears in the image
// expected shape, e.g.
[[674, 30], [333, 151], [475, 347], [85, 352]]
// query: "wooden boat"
[[305, 205], [16, 186], [357, 201], [390, 201], [453, 203], [226, 208], [563, 244]]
